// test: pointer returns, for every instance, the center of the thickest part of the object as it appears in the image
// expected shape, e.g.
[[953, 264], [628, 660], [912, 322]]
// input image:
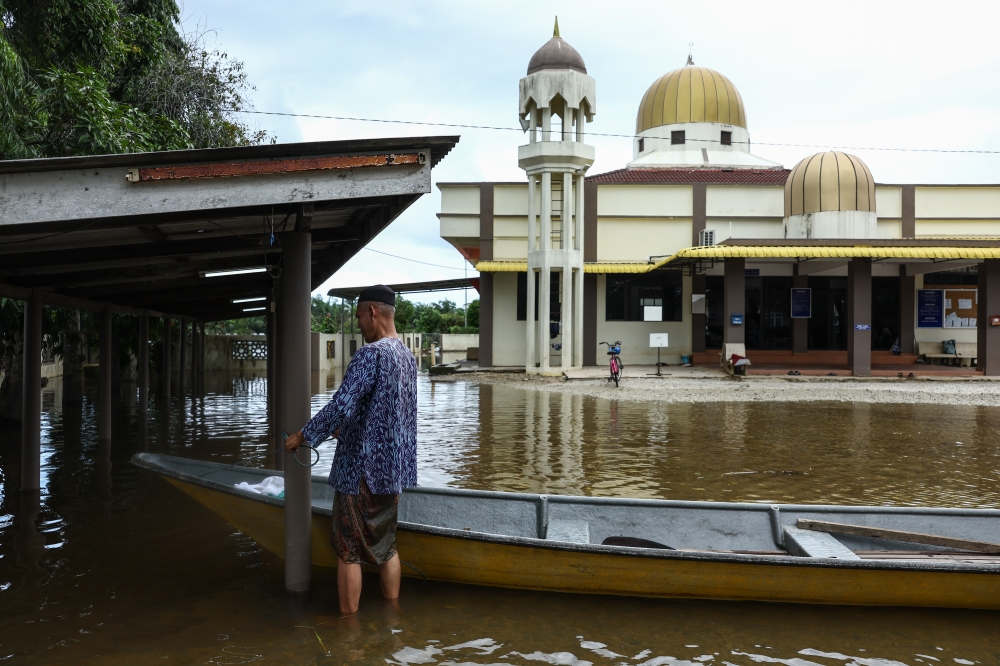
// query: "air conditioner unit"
[[706, 237]]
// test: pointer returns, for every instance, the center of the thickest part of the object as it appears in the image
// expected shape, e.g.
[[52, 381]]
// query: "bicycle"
[[614, 349]]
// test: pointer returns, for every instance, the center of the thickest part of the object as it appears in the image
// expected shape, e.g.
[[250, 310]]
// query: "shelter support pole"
[[165, 369], [142, 366], [31, 397], [907, 311], [698, 319], [734, 300], [531, 320], [279, 390], [988, 340], [295, 367], [859, 316], [271, 351], [182, 361], [800, 326], [105, 374]]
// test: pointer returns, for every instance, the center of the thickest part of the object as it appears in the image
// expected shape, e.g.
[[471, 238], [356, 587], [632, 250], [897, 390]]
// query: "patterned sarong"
[[364, 526]]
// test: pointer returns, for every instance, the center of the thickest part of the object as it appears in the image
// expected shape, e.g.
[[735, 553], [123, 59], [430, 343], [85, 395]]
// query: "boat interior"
[[970, 536]]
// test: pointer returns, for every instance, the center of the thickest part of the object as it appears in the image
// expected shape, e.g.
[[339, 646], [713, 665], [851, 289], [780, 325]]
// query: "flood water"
[[111, 565]]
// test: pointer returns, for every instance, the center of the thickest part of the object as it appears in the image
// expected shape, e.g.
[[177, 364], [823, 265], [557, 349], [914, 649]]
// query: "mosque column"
[[566, 311], [859, 313], [907, 311], [545, 284], [988, 336], [531, 325], [734, 300]]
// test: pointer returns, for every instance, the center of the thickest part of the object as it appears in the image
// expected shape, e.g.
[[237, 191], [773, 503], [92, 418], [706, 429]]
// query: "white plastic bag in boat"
[[273, 486]]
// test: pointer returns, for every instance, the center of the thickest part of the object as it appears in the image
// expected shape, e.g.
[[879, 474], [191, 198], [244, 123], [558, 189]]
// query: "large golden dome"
[[691, 95], [829, 181]]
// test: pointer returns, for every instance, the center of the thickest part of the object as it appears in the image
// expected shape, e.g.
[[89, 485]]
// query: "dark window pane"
[[727, 139], [522, 296], [642, 145], [627, 296], [947, 279], [677, 137], [713, 311]]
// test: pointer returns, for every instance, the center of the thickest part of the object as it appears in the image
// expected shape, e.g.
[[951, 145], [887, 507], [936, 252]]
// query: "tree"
[[84, 77]]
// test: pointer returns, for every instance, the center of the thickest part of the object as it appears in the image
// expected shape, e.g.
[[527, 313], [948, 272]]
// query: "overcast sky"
[[851, 75]]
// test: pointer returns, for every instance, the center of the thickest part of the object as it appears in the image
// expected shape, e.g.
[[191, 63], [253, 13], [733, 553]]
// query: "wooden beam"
[[899, 535], [61, 300]]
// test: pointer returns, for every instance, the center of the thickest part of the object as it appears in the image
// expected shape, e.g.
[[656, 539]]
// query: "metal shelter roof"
[[351, 293], [145, 232]]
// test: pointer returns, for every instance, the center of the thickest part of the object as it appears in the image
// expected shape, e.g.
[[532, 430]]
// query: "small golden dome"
[[691, 95], [829, 181]]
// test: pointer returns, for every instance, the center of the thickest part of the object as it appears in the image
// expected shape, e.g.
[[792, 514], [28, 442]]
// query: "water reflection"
[[107, 564]]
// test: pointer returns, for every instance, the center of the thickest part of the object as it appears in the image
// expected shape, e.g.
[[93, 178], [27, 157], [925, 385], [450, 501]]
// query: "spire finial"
[[555, 30], [690, 61]]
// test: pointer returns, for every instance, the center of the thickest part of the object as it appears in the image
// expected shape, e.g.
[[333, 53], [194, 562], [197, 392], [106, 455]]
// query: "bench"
[[965, 352]]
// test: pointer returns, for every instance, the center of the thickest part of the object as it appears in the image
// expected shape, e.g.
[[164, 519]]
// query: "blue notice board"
[[930, 308], [801, 303]]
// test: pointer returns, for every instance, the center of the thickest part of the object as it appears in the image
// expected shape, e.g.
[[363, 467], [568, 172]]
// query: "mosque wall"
[[644, 201], [978, 201], [634, 335], [735, 201], [510, 345], [638, 239]]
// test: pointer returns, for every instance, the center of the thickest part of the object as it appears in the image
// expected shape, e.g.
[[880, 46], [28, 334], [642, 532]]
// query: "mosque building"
[[699, 238]]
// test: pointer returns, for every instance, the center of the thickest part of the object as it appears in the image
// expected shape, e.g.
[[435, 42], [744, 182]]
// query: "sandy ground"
[[710, 387]]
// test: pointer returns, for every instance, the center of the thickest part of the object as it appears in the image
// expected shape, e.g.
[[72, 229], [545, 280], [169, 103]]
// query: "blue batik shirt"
[[376, 411]]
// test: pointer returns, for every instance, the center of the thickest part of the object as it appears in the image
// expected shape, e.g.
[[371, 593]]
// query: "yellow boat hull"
[[472, 559]]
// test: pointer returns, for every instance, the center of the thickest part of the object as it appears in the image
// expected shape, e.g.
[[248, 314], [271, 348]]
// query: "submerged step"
[[806, 543], [573, 531]]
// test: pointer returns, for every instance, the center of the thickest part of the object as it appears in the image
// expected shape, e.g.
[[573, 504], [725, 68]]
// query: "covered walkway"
[[196, 236]]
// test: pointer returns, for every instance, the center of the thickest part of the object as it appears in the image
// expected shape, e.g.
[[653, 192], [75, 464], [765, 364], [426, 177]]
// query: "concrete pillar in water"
[[988, 335], [734, 301], [165, 369], [182, 361], [859, 316], [907, 310], [31, 397], [279, 441], [294, 365], [105, 372], [142, 366]]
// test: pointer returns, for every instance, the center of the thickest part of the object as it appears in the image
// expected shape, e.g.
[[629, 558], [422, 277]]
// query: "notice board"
[[961, 307], [801, 303], [930, 308]]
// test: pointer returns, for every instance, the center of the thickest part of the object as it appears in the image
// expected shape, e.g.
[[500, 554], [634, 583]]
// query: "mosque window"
[[727, 138], [677, 137], [642, 145], [628, 294], [554, 296]]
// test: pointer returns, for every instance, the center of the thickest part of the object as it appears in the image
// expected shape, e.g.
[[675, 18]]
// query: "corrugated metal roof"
[[767, 252], [681, 176]]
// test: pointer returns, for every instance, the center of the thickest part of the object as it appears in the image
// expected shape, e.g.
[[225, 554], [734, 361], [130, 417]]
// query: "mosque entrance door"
[[885, 312], [828, 324]]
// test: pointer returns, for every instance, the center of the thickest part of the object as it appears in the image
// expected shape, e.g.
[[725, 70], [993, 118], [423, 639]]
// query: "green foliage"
[[326, 315], [248, 326], [84, 77]]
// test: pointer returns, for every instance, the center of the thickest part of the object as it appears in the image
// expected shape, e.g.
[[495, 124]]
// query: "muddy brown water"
[[111, 565]]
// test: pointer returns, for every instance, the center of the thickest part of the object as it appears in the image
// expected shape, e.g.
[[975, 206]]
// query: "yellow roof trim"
[[766, 252]]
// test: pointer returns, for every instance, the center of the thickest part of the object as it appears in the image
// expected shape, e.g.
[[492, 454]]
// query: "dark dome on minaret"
[[556, 54]]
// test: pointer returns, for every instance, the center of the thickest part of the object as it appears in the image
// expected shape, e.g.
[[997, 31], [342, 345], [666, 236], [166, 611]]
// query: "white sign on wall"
[[652, 313], [658, 340], [697, 303]]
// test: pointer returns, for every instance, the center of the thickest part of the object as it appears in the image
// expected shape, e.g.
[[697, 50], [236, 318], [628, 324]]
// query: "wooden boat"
[[852, 555]]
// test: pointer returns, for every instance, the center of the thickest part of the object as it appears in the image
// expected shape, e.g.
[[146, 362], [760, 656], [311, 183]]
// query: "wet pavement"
[[109, 564]]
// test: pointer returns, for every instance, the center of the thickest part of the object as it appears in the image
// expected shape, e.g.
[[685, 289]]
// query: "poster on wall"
[[801, 303], [961, 308], [930, 308]]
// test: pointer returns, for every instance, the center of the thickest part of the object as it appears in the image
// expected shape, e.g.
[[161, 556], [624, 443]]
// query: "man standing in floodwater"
[[373, 415]]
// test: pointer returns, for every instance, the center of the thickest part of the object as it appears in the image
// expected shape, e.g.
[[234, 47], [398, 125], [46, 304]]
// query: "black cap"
[[379, 293]]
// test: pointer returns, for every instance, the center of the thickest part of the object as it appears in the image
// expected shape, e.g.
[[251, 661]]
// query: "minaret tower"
[[557, 98]]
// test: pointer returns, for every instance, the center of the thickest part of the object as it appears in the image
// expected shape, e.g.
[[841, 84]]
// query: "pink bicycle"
[[614, 349]]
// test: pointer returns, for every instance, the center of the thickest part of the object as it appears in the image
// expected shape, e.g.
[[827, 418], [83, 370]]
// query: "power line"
[[416, 261], [620, 136]]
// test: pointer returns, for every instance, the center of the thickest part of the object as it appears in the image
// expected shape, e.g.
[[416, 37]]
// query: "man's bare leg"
[[389, 574], [348, 586]]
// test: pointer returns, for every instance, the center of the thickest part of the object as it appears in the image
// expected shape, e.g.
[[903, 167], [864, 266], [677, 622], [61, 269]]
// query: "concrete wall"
[[634, 335], [219, 355]]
